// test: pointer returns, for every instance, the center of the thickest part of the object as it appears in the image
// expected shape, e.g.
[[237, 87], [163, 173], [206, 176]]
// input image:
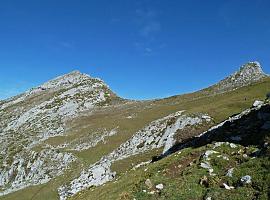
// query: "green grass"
[[181, 179]]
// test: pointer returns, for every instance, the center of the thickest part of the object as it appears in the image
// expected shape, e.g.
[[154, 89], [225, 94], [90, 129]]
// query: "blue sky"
[[142, 49]]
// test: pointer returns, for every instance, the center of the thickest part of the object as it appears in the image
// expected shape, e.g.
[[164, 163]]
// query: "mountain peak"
[[78, 86], [251, 68], [66, 81], [75, 73], [248, 73]]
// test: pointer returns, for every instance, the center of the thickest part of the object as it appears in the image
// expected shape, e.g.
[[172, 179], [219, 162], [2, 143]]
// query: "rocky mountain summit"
[[73, 133], [248, 73], [36, 115]]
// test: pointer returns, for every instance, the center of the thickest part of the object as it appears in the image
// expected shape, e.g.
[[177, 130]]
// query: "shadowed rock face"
[[251, 127]]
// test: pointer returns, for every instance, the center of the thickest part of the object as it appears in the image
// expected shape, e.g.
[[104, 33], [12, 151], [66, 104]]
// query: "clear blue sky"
[[142, 49]]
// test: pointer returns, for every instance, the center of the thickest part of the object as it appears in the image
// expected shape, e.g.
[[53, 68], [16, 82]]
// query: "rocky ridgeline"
[[159, 133], [247, 74], [37, 115]]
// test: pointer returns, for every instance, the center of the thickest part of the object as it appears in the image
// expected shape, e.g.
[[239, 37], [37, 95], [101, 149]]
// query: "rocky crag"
[[248, 73], [39, 114]]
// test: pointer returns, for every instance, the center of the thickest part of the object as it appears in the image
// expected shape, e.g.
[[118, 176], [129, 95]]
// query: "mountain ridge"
[[248, 73]]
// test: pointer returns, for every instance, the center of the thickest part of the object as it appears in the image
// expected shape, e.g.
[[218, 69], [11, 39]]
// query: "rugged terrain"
[[72, 137]]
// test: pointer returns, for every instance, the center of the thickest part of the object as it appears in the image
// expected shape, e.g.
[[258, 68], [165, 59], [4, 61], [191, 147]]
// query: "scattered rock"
[[224, 157], [148, 183], [246, 179], [230, 172], [217, 144], [227, 187], [245, 155], [160, 186], [211, 170], [232, 145], [205, 165], [151, 192], [208, 153], [240, 151]]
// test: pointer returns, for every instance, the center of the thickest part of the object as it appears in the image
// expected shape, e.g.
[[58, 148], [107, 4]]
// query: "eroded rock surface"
[[158, 133], [36, 115]]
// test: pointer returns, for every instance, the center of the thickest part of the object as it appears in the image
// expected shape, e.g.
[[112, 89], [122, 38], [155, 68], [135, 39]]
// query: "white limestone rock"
[[160, 186], [98, 174], [205, 165], [230, 172], [208, 153], [247, 74], [33, 169], [246, 179], [258, 103], [227, 187], [36, 115], [232, 145]]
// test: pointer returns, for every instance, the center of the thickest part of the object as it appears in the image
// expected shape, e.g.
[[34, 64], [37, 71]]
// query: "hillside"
[[73, 137], [230, 161]]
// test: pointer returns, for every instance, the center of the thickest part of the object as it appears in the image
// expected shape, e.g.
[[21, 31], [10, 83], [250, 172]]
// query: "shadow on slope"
[[251, 127]]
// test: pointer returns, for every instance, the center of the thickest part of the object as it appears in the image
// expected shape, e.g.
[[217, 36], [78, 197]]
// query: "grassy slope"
[[180, 173], [219, 107]]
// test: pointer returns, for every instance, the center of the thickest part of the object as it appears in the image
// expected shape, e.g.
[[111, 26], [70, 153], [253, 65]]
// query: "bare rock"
[[148, 183], [246, 179], [160, 186]]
